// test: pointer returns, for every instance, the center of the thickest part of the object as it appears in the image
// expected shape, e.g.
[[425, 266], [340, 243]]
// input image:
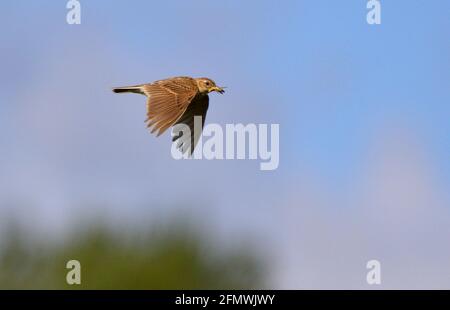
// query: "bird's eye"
[[207, 83]]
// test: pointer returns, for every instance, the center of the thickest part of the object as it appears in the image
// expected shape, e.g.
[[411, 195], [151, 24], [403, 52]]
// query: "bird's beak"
[[217, 89]]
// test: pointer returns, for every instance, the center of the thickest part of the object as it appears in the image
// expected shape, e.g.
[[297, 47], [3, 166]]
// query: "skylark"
[[176, 101]]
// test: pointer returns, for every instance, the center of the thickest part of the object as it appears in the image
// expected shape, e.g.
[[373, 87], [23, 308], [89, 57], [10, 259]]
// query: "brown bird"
[[175, 101]]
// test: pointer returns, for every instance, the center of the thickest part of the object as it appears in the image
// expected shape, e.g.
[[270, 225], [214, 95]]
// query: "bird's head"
[[206, 86]]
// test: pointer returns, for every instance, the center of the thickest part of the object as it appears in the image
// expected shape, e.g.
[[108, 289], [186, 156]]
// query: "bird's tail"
[[129, 89]]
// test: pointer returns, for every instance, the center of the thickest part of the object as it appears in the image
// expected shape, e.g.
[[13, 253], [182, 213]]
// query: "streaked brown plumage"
[[175, 101]]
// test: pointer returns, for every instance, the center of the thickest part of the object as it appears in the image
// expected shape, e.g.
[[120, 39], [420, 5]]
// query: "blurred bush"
[[176, 257]]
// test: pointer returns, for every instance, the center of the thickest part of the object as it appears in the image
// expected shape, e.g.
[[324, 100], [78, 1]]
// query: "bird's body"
[[175, 101]]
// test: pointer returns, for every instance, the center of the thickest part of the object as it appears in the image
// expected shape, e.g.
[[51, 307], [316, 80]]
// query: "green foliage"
[[176, 258]]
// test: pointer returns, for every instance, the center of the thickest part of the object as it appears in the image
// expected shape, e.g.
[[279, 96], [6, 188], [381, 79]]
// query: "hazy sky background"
[[364, 114]]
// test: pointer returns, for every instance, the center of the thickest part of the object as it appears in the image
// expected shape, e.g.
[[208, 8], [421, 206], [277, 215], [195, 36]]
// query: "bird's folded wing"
[[168, 101], [197, 108]]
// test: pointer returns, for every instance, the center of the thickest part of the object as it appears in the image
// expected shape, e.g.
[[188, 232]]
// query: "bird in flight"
[[173, 102]]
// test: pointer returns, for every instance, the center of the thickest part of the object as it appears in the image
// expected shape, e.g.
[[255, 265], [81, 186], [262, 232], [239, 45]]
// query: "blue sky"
[[344, 93]]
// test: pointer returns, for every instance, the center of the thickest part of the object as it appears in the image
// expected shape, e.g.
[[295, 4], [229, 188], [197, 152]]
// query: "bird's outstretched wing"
[[197, 108], [167, 101]]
